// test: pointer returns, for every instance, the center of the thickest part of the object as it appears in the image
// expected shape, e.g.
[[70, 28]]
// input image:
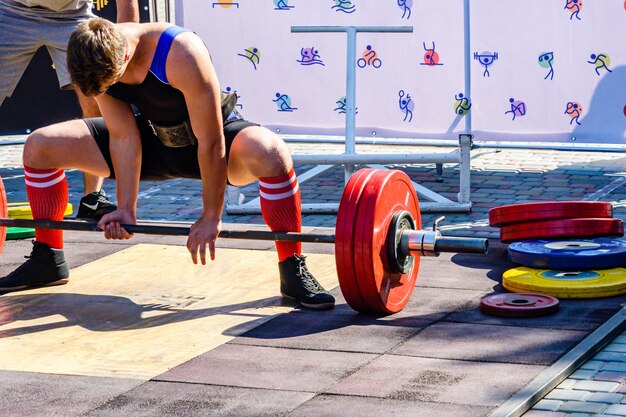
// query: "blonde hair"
[[95, 55]]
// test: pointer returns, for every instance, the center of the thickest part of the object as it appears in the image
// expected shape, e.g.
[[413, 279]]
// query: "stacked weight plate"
[[554, 220], [22, 210], [569, 249]]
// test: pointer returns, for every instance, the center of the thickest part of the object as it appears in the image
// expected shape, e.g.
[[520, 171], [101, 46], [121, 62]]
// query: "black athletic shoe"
[[297, 283], [94, 206], [45, 266]]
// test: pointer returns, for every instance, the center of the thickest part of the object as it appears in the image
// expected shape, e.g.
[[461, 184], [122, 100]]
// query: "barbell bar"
[[166, 230], [378, 239], [425, 242]]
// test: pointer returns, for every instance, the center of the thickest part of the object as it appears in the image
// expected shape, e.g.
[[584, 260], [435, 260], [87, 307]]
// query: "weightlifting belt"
[[181, 135]]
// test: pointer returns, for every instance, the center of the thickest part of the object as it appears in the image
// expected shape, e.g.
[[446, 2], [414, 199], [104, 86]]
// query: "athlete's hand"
[[203, 232], [111, 224]]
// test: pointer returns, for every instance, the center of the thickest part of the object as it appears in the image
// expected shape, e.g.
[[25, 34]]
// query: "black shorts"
[[159, 162]]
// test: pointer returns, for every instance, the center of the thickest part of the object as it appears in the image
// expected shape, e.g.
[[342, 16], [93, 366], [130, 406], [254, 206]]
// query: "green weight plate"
[[15, 233]]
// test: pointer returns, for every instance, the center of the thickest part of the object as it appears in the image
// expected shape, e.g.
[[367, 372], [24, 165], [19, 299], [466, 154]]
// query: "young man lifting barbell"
[[184, 130]]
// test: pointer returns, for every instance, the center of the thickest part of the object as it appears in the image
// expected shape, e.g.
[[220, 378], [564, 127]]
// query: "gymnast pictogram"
[[431, 57], [462, 104], [518, 108]]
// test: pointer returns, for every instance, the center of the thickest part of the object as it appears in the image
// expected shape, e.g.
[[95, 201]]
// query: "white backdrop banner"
[[552, 70], [539, 70]]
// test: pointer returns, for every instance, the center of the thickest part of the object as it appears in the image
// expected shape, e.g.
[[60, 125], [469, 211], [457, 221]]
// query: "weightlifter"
[[184, 128]]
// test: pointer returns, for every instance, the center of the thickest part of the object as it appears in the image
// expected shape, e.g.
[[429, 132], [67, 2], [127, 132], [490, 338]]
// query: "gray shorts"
[[23, 31]]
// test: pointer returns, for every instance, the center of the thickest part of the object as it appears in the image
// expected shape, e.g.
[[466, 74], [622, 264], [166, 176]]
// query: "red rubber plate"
[[562, 228], [344, 239], [368, 291], [388, 192], [519, 213], [519, 305], [4, 213]]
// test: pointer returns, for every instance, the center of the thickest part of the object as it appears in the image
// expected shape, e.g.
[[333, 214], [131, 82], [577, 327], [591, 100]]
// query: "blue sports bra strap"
[[163, 48]]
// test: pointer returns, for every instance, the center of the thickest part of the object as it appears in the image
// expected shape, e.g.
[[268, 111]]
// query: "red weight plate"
[[4, 213], [519, 305], [388, 192], [519, 213], [363, 214], [562, 228], [344, 239], [394, 193]]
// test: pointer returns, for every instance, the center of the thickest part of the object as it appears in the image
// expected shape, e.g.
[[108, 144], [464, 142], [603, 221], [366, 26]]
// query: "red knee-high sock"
[[280, 206], [48, 196]]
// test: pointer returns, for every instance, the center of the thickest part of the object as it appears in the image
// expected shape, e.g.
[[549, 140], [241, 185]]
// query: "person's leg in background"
[[18, 44], [94, 204]]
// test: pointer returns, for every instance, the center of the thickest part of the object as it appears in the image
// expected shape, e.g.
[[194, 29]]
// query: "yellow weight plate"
[[567, 284], [566, 295], [21, 210]]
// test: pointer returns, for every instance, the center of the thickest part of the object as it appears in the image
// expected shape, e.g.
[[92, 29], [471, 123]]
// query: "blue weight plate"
[[597, 253]]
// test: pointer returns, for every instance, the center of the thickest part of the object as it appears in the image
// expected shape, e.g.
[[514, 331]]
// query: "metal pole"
[[350, 100], [155, 11], [168, 17], [12, 142], [445, 143], [467, 62], [86, 226], [465, 185], [382, 29], [384, 159]]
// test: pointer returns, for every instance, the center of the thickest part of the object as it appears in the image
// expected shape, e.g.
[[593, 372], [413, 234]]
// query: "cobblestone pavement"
[[596, 389], [498, 177]]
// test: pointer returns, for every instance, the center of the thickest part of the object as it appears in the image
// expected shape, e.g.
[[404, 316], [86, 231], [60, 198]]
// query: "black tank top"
[[155, 98]]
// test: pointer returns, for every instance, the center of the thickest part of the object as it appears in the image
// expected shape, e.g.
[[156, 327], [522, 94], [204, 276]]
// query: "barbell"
[[378, 238]]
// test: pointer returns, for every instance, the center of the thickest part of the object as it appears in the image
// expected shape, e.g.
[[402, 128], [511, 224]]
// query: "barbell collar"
[[432, 243], [419, 242]]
